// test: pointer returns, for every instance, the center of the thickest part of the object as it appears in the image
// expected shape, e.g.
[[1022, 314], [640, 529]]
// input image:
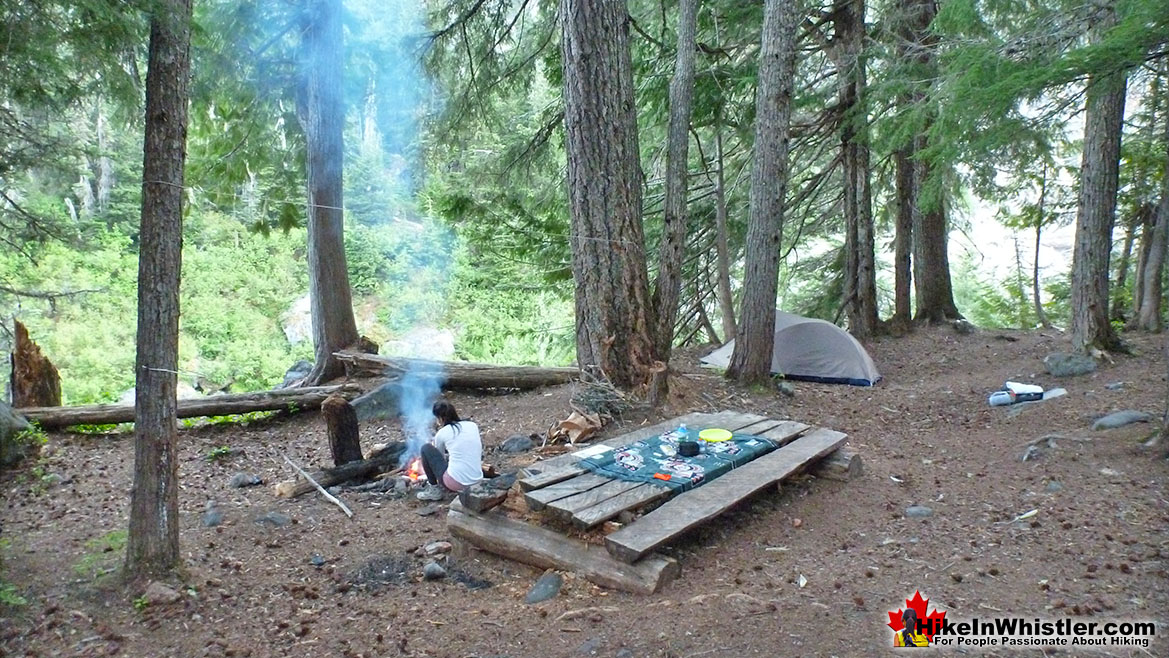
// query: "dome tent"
[[811, 350]]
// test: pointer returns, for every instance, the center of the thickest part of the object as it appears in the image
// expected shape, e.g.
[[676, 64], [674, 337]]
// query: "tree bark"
[[341, 425], [216, 405], [152, 545], [35, 381], [613, 332], [726, 302], [1041, 216], [1099, 169], [1149, 316], [860, 290], [669, 282], [751, 360], [322, 117], [903, 241]]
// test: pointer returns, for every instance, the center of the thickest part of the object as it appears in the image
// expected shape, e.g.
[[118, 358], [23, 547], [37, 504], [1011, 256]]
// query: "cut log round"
[[341, 423], [843, 465], [456, 374], [218, 405], [35, 381]]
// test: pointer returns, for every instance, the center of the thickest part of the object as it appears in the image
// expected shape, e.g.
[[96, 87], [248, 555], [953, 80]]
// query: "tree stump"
[[35, 382], [341, 421]]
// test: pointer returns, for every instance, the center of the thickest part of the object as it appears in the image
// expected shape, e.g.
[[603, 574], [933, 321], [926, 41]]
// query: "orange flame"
[[414, 469]]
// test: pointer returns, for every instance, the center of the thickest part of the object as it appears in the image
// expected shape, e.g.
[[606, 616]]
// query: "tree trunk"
[[1117, 307], [669, 281], [322, 116], [341, 425], [1099, 168], [1149, 316], [936, 294], [152, 545], [605, 191], [751, 360], [1041, 216], [457, 374], [35, 382], [903, 241], [860, 294], [726, 303], [215, 405]]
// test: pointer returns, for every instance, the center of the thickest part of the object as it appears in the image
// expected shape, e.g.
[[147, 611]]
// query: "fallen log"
[[455, 374], [383, 461], [217, 405], [843, 465]]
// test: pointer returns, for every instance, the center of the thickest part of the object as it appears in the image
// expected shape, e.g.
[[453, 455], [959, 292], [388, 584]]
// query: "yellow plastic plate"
[[714, 435]]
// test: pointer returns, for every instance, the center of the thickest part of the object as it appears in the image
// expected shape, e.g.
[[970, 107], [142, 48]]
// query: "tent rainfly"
[[811, 350]]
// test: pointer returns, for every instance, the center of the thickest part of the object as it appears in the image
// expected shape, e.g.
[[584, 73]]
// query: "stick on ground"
[[328, 496]]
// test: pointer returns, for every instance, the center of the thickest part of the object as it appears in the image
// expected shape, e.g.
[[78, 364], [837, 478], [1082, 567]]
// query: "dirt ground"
[[324, 585]]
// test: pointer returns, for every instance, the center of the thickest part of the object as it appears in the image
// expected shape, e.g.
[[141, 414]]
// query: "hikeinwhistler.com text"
[[1006, 632]]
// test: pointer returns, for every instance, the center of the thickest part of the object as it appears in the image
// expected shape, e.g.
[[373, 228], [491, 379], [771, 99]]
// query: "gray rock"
[[1115, 386], [437, 548], [787, 388], [1120, 419], [12, 450], [381, 402], [591, 646], [297, 372], [274, 519], [158, 594], [316, 560], [1065, 364], [545, 588], [1054, 486], [241, 480], [433, 571], [918, 512], [213, 516], [516, 443], [428, 510], [624, 652], [964, 327]]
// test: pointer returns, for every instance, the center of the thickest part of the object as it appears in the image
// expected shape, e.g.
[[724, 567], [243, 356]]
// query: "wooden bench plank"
[[563, 467], [544, 548], [639, 496], [785, 432], [699, 505], [537, 499], [564, 508]]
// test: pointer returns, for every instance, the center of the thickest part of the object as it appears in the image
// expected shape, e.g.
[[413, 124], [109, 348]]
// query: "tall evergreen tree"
[[613, 330], [669, 280], [322, 116], [152, 546], [751, 360], [1095, 212]]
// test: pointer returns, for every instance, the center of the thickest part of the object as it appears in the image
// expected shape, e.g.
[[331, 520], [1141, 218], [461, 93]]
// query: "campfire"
[[413, 471]]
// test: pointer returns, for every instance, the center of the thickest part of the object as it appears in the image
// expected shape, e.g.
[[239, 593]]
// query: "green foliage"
[[218, 453], [103, 554], [141, 603]]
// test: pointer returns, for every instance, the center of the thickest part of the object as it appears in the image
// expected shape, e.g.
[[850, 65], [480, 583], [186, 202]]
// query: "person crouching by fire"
[[462, 464]]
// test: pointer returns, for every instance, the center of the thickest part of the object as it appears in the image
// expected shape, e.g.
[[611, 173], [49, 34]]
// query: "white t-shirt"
[[464, 450]]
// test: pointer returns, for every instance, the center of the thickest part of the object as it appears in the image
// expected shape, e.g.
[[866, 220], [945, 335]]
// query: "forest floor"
[[324, 585]]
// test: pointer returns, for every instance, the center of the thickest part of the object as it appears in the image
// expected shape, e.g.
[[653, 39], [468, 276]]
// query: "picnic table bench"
[[565, 490]]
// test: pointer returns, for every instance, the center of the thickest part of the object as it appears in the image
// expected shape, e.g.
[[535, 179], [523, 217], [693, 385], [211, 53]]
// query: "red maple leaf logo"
[[930, 623]]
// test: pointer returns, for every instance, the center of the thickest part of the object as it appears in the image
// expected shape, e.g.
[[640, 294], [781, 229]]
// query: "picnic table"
[[580, 488]]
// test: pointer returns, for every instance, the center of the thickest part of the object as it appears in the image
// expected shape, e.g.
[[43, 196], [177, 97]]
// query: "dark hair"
[[909, 618], [445, 411]]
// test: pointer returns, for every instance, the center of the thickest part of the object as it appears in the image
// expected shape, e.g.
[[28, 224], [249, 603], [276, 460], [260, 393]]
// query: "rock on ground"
[[11, 450], [1120, 419], [545, 588], [1069, 364]]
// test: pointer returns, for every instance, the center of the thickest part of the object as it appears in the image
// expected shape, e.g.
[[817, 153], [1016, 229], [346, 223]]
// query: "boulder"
[[297, 372], [12, 449], [1069, 364], [516, 443]]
